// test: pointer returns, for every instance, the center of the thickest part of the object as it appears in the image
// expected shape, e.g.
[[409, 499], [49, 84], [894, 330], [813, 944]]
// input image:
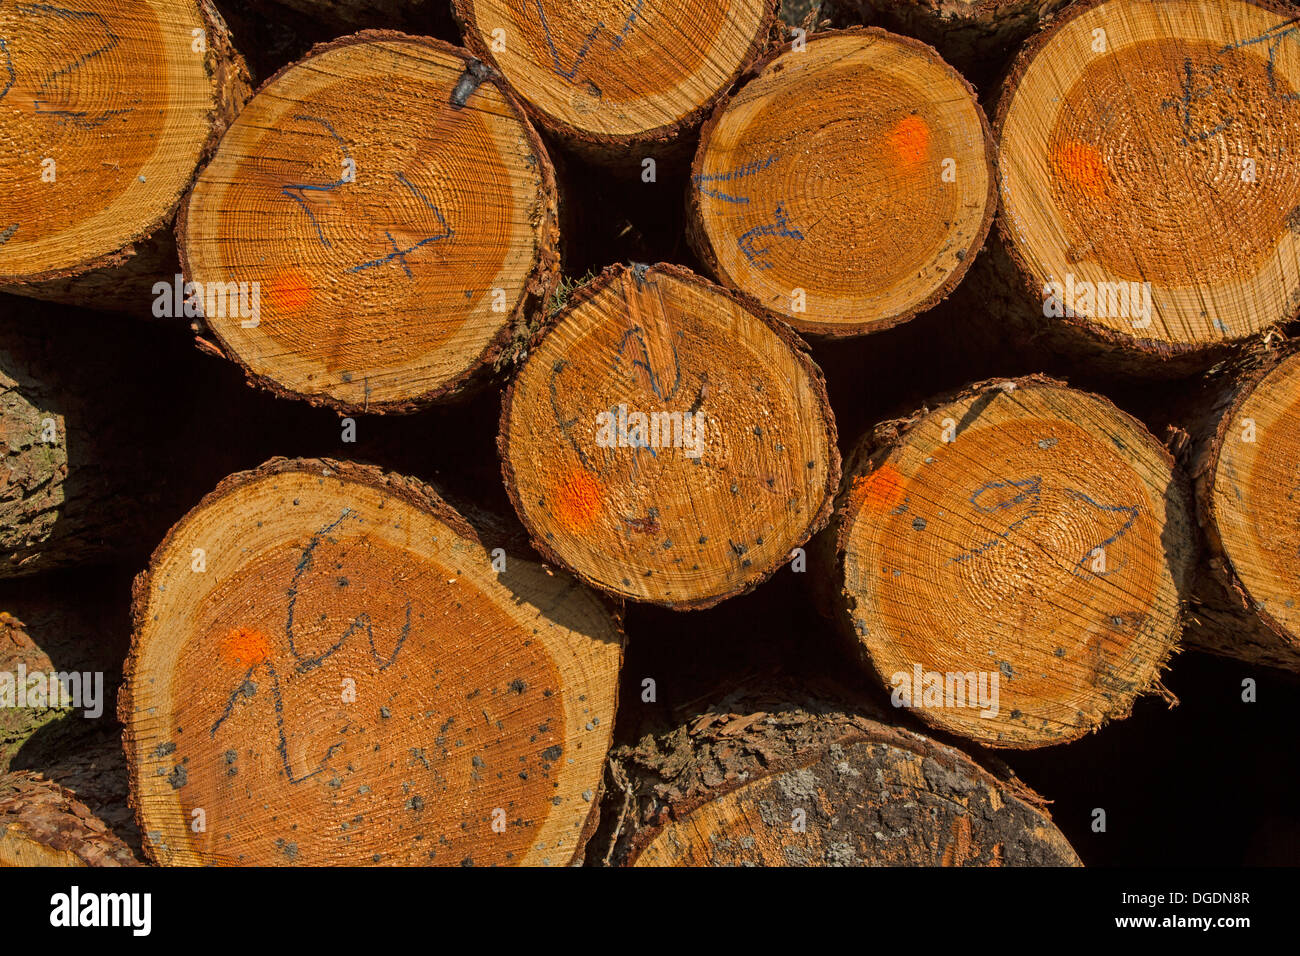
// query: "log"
[[349, 680], [1012, 562], [1148, 192], [978, 37], [625, 81], [83, 437], [784, 780], [1240, 447], [42, 824], [382, 258], [909, 153], [89, 197], [665, 443]]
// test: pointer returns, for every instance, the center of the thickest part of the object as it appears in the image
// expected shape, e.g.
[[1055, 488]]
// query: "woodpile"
[[616, 434]]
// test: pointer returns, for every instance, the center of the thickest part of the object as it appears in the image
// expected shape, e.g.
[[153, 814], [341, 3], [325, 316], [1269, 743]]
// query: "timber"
[[1146, 180], [90, 194], [618, 82], [781, 777], [349, 676], [666, 443], [909, 151], [1012, 562], [377, 230]]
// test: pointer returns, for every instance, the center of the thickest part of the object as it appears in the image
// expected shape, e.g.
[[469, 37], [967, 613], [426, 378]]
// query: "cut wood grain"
[[1244, 458], [386, 216], [665, 442], [1149, 192], [848, 186], [1012, 562], [349, 680], [618, 78], [773, 780], [106, 110]]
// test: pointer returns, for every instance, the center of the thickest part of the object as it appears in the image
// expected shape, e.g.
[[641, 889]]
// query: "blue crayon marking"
[[614, 44], [316, 187], [400, 254], [81, 118], [758, 257], [748, 169]]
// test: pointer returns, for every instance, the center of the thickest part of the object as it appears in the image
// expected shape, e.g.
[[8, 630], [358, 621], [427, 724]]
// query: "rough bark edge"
[[697, 235], [686, 787], [974, 32], [1087, 336], [602, 148], [1221, 602], [231, 87], [799, 351], [505, 349], [411, 491], [51, 815], [874, 446]]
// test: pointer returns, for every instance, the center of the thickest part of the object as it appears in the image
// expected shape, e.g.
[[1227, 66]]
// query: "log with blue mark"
[[303, 664], [1028, 492], [47, 94]]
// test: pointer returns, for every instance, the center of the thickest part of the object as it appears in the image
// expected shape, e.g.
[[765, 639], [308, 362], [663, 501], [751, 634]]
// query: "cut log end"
[[42, 824], [607, 76], [822, 788], [1249, 505], [100, 164], [341, 262], [787, 169], [1014, 562], [665, 442], [1148, 186], [347, 679]]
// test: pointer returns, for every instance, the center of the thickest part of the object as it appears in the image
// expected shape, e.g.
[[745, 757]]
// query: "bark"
[[977, 38], [42, 824], [732, 785]]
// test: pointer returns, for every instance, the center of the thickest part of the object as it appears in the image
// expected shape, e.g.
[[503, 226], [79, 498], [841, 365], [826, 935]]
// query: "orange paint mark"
[[290, 290], [578, 500], [910, 140], [879, 491], [245, 646], [1081, 166]]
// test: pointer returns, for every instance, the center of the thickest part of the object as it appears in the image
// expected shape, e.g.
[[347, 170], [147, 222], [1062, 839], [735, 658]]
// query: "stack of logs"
[[330, 662]]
